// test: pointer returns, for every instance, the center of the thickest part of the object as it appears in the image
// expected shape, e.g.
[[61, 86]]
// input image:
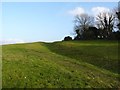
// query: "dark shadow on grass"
[[75, 53]]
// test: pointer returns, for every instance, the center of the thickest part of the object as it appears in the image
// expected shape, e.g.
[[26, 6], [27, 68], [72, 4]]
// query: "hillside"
[[83, 64]]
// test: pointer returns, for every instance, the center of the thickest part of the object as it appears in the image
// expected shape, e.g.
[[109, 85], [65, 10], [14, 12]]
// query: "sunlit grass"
[[60, 65]]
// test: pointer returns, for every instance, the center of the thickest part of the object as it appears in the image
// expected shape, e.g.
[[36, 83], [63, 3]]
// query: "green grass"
[[73, 64], [99, 53]]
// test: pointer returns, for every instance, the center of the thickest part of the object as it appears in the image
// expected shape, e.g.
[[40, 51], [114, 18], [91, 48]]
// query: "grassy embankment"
[[82, 64]]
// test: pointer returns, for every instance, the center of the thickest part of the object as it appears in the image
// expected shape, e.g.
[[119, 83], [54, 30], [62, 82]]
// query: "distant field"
[[70, 64]]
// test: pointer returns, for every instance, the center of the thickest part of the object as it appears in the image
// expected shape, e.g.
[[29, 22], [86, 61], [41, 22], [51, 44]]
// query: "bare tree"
[[105, 22], [82, 23], [118, 15]]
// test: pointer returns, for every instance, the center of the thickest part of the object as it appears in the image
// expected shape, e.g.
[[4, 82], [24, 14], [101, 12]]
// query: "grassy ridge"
[[40, 65], [99, 53]]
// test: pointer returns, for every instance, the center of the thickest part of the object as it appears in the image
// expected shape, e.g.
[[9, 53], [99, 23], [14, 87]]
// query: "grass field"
[[70, 64]]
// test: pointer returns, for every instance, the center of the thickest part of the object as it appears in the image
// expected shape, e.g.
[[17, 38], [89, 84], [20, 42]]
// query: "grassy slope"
[[61, 64], [99, 53]]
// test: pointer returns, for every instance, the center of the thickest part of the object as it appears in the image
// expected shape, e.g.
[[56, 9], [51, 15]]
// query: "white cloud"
[[11, 41], [97, 10], [94, 10], [77, 11]]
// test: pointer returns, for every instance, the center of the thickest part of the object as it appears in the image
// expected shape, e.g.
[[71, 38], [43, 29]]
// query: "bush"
[[77, 38], [68, 38]]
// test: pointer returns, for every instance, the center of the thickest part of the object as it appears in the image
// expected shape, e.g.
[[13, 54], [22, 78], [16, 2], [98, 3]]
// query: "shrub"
[[68, 38]]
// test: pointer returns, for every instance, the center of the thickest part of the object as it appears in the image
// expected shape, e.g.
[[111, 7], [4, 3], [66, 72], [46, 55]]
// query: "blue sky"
[[43, 21]]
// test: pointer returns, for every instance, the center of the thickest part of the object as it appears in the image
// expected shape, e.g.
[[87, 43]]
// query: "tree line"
[[106, 25]]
